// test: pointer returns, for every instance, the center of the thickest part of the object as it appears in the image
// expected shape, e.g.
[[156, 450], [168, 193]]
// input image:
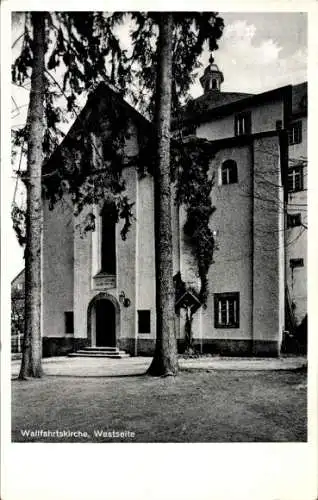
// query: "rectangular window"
[[144, 321], [295, 179], [295, 133], [293, 220], [69, 321], [296, 263], [242, 123], [227, 310]]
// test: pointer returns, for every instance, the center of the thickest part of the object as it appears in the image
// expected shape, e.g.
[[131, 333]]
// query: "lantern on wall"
[[125, 301]]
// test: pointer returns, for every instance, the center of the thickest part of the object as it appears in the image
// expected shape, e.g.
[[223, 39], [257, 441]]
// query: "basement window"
[[69, 321], [144, 321], [227, 310]]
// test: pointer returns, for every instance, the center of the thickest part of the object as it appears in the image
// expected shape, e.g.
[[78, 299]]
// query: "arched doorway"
[[105, 326], [103, 321]]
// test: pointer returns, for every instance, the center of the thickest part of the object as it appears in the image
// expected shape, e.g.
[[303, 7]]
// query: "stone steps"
[[100, 352]]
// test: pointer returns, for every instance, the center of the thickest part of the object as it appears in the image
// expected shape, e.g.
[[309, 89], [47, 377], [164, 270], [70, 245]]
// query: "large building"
[[99, 291]]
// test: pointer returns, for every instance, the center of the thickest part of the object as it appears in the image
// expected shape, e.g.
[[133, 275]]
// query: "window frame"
[[293, 220], [295, 135], [243, 123], [226, 297], [69, 319], [294, 263], [142, 321], [229, 168], [294, 171], [108, 242]]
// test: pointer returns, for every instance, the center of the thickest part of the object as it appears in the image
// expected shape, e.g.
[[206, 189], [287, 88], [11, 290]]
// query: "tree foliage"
[[191, 31], [85, 49], [193, 190]]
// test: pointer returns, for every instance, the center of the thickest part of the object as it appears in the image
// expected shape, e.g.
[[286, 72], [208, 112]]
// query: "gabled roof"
[[101, 90]]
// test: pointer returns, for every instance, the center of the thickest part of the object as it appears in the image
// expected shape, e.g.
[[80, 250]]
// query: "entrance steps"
[[100, 352]]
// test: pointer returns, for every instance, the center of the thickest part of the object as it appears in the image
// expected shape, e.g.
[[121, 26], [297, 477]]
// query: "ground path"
[[211, 400]]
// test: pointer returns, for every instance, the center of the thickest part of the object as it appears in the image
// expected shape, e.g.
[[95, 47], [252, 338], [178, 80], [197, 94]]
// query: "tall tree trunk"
[[165, 361], [31, 365]]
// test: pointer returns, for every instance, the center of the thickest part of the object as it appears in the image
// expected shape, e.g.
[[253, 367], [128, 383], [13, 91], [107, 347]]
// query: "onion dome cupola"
[[212, 77]]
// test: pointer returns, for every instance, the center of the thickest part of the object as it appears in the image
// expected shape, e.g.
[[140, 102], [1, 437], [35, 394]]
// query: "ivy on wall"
[[191, 160]]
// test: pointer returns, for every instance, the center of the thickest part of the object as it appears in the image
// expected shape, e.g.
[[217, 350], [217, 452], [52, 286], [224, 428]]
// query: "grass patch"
[[196, 406]]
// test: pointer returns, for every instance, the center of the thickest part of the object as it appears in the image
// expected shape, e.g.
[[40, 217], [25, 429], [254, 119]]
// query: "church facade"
[[99, 290]]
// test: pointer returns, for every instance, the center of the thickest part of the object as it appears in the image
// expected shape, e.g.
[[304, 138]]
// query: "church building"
[[98, 291]]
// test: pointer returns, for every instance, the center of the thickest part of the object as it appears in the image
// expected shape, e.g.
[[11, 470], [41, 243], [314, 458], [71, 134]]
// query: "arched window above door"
[[108, 239]]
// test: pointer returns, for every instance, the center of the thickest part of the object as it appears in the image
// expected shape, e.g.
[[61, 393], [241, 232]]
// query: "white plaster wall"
[[232, 267], [84, 288], [82, 277], [126, 261], [296, 238], [268, 255], [57, 267], [145, 266], [264, 117]]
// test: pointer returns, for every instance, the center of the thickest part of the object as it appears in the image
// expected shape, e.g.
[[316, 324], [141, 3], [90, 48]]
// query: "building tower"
[[212, 77]]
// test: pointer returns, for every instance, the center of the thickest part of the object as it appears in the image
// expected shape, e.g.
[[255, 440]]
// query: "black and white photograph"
[[158, 228]]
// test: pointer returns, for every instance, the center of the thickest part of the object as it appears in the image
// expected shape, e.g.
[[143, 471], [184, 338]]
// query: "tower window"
[[229, 172], [242, 123], [295, 133], [108, 243]]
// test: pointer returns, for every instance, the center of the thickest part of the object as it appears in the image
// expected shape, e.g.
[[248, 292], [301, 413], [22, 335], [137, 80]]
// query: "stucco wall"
[[268, 254], [232, 268], [145, 256], [82, 277], [126, 263], [296, 238], [87, 255], [263, 116], [57, 267]]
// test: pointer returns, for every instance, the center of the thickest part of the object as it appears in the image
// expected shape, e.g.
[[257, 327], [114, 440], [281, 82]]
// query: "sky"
[[257, 52]]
